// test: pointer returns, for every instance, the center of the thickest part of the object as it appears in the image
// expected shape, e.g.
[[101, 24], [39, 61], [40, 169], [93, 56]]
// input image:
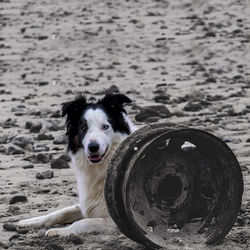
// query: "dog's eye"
[[105, 127], [84, 127]]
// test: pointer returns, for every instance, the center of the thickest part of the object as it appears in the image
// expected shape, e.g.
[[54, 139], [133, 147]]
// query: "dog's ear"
[[115, 101], [73, 107]]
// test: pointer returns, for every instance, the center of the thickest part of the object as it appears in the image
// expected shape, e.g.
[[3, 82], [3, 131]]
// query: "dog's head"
[[93, 126]]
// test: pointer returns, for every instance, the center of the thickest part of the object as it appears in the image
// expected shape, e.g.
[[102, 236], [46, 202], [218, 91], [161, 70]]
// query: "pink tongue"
[[95, 157]]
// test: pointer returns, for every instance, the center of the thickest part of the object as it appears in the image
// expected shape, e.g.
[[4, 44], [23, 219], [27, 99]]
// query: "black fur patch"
[[111, 104]]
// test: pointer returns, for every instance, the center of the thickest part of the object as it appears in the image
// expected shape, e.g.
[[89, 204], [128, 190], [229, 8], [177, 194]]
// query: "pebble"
[[56, 114], [28, 166], [34, 112], [14, 150], [35, 128], [60, 140], [196, 105], [43, 137], [59, 164], [28, 125], [152, 119], [43, 83], [41, 148], [17, 198], [13, 209], [74, 239], [113, 89], [4, 139], [143, 115], [152, 112], [22, 230], [22, 141], [45, 175], [162, 99], [65, 157], [68, 92], [55, 126], [9, 227], [161, 110], [3, 245], [53, 247], [15, 236], [43, 158]]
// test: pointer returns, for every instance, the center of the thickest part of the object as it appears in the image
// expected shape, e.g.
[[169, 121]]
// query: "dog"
[[94, 132]]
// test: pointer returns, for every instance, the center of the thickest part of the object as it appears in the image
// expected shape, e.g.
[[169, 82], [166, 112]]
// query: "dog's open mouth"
[[97, 158]]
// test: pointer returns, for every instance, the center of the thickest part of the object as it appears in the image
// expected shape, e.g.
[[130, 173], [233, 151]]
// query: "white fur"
[[91, 213]]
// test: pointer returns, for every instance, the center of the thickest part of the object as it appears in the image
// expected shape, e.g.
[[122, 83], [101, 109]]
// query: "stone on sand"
[[17, 198], [59, 164], [14, 150], [45, 175]]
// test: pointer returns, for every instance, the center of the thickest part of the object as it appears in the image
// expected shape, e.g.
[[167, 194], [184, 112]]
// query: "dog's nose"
[[93, 147]]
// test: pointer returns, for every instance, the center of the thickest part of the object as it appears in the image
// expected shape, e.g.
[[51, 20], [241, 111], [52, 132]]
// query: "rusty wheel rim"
[[146, 209]]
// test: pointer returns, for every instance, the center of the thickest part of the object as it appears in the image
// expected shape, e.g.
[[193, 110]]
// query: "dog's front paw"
[[33, 222], [58, 232]]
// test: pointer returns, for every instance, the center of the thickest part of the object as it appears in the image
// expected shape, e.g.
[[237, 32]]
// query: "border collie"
[[94, 132]]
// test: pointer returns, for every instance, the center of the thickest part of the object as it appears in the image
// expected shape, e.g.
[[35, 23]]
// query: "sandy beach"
[[191, 57]]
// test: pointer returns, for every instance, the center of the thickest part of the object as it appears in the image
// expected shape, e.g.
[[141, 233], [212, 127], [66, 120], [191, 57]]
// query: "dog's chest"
[[90, 186], [91, 195]]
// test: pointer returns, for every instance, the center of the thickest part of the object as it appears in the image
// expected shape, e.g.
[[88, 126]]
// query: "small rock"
[[35, 128], [17, 198], [43, 191], [60, 140], [113, 89], [13, 209], [210, 34], [162, 99], [28, 166], [9, 227], [45, 175], [161, 110], [43, 158], [22, 141], [34, 112], [14, 150], [22, 230], [42, 38], [155, 111], [56, 114], [152, 119], [4, 139], [55, 126], [210, 80], [41, 148], [14, 237], [3, 245], [196, 105], [68, 92], [143, 115], [43, 83], [42, 137], [2, 149], [74, 239], [53, 247], [59, 164], [248, 140], [28, 125], [65, 157]]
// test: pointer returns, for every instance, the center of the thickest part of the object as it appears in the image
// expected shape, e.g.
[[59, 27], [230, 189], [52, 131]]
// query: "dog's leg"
[[60, 217], [84, 226]]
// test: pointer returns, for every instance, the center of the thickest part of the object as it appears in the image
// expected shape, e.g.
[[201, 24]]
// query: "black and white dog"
[[94, 131]]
